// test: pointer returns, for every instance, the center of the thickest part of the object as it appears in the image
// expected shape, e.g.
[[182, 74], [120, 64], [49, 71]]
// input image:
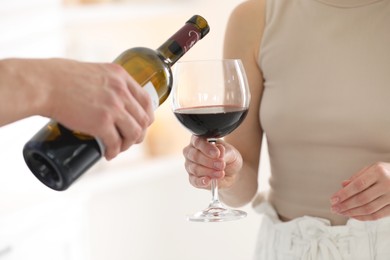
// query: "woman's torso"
[[326, 104]]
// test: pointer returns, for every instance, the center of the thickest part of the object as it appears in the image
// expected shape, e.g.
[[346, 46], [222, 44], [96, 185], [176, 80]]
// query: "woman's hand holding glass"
[[205, 161]]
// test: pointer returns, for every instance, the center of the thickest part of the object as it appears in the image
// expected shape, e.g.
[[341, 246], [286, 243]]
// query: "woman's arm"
[[242, 40]]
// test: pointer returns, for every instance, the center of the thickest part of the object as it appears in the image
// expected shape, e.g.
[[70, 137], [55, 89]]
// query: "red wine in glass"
[[211, 121]]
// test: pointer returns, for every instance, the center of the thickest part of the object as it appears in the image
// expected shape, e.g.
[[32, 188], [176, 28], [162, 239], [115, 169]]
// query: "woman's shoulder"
[[250, 11], [246, 24]]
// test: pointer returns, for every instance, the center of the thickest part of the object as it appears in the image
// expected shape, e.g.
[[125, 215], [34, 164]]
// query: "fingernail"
[[335, 209], [204, 182], [345, 183], [218, 165], [334, 200], [217, 175], [213, 153]]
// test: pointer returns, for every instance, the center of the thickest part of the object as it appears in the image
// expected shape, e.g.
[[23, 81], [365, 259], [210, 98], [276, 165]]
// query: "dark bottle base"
[[44, 170], [58, 162], [60, 174]]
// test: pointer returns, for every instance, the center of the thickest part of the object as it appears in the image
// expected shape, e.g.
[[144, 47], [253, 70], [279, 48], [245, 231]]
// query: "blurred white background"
[[133, 207]]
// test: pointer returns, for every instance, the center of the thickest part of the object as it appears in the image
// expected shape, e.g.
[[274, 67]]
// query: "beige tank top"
[[326, 103]]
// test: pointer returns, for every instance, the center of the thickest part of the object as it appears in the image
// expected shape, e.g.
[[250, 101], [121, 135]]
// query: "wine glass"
[[211, 99]]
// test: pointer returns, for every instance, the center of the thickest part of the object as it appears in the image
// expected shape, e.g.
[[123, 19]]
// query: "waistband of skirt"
[[269, 212]]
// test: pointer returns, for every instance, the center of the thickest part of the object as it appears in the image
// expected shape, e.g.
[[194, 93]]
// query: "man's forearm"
[[20, 94]]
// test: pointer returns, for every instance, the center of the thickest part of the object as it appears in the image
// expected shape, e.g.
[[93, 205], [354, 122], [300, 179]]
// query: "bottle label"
[[101, 145], [187, 36], [153, 94]]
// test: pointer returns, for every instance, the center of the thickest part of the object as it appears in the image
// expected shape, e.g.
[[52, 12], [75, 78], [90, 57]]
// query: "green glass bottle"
[[58, 156]]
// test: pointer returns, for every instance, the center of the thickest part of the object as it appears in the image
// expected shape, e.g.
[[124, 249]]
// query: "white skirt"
[[311, 238]]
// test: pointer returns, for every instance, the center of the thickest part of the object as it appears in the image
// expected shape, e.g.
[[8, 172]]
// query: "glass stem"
[[214, 185], [214, 193]]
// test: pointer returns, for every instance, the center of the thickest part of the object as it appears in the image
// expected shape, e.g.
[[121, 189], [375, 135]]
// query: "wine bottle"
[[58, 156]]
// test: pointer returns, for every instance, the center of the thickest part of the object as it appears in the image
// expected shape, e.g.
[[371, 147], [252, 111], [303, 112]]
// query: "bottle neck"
[[176, 46]]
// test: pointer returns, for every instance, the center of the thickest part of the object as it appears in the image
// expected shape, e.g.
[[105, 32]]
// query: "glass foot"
[[217, 214]]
